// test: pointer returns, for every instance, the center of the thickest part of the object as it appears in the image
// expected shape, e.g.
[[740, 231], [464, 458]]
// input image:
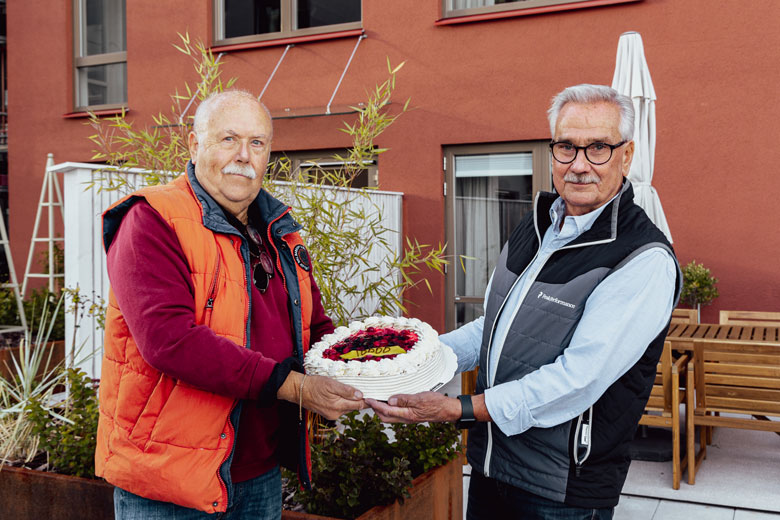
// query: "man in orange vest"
[[212, 307]]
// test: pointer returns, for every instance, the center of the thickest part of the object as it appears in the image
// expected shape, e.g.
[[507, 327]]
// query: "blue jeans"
[[259, 498], [490, 499]]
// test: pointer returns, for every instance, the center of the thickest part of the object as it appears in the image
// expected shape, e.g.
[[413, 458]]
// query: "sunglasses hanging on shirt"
[[262, 265]]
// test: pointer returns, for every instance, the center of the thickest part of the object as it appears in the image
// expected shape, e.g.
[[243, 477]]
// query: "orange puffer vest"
[[161, 438]]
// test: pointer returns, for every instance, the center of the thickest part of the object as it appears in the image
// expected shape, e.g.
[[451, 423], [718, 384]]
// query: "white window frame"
[[520, 5], [287, 23]]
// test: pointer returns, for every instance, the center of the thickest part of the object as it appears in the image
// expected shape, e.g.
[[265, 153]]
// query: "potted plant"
[[48, 421], [698, 286], [33, 306], [363, 469]]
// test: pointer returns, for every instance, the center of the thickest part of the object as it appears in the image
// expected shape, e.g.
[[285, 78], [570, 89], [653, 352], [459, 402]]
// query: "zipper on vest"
[[212, 293], [276, 250], [231, 433]]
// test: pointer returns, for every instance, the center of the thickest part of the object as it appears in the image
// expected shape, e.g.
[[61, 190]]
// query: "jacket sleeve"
[[321, 324], [153, 286]]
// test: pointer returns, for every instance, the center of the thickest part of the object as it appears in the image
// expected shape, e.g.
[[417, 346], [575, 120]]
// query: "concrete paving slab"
[[669, 510], [636, 508]]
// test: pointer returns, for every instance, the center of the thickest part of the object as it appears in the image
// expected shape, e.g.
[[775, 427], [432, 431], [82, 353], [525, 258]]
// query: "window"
[[314, 163], [242, 21], [100, 54], [455, 8], [489, 189]]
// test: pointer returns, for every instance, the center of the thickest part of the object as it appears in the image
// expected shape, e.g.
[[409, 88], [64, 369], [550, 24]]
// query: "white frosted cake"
[[382, 356]]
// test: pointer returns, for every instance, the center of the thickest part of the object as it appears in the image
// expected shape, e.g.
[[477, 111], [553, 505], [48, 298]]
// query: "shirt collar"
[[582, 222]]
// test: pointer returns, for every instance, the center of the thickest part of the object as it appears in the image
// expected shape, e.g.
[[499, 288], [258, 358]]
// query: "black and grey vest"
[[582, 462]]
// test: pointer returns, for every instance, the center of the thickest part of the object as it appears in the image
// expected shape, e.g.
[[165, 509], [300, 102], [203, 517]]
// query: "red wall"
[[715, 67]]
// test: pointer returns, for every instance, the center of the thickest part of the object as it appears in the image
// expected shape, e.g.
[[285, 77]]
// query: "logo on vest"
[[553, 299], [302, 257]]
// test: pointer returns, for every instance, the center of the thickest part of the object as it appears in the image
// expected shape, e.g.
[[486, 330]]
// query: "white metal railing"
[[85, 260]]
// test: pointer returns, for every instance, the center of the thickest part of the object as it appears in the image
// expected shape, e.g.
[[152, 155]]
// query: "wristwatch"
[[467, 419]]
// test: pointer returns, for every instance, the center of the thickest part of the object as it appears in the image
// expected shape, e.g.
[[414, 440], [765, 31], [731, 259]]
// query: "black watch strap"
[[467, 419]]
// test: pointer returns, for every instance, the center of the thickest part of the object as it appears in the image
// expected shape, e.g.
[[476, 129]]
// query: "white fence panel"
[[85, 260], [385, 203]]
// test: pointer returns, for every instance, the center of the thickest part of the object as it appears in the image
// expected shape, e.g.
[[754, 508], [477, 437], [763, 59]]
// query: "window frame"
[[287, 8], [525, 7], [324, 158], [541, 181], [81, 61]]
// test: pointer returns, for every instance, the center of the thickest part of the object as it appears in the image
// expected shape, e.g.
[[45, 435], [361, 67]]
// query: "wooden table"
[[682, 334]]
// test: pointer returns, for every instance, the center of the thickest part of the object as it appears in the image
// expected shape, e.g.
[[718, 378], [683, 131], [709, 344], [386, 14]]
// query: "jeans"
[[259, 498], [490, 499]]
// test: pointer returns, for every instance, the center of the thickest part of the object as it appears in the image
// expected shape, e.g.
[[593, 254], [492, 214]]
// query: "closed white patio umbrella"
[[632, 78]]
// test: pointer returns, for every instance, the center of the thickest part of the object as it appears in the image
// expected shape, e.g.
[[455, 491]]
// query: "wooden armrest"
[[681, 361]]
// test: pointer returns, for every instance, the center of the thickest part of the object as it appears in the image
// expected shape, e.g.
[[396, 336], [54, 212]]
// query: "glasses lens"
[[260, 277], [598, 153], [265, 261], [564, 152], [255, 236]]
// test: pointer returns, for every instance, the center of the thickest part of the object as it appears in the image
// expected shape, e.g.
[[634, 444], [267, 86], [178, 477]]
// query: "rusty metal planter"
[[38, 495], [436, 495], [7, 353]]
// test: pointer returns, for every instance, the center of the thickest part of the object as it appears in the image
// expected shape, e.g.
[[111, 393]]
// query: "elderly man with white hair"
[[212, 307], [576, 313]]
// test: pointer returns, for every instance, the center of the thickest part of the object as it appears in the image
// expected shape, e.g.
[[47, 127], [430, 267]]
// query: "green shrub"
[[426, 446], [358, 468], [68, 431]]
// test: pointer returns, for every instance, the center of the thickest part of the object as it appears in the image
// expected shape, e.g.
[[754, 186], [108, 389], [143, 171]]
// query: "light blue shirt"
[[621, 317]]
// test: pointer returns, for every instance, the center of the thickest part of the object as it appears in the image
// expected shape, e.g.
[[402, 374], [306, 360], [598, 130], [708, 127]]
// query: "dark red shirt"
[[153, 286]]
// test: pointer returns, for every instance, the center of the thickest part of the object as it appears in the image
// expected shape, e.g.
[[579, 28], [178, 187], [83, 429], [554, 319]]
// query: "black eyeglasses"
[[597, 153], [262, 265]]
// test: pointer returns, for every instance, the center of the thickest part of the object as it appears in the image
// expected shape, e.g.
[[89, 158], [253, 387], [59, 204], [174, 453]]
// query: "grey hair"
[[206, 108], [586, 93]]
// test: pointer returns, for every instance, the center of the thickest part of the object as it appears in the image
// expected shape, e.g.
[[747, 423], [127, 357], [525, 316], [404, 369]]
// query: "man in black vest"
[[575, 317]]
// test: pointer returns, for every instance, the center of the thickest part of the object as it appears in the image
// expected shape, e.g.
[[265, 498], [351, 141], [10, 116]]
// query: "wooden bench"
[[663, 407], [733, 378], [758, 318]]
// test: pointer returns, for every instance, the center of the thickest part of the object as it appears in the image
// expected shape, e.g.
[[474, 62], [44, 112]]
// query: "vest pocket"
[[142, 429], [582, 440]]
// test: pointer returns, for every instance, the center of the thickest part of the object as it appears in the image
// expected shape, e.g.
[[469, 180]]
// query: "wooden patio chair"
[[685, 316], [663, 407], [734, 378], [757, 318]]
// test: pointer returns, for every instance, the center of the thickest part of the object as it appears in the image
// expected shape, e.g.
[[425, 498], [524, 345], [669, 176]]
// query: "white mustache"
[[245, 170], [585, 178]]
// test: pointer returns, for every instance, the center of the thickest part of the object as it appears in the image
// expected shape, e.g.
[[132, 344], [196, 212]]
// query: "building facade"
[[479, 74]]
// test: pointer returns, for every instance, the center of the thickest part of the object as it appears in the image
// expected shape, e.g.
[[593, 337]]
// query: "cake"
[[382, 356]]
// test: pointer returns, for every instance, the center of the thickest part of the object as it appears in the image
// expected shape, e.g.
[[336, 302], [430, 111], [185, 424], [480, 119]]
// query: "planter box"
[[38, 495], [436, 495], [7, 353]]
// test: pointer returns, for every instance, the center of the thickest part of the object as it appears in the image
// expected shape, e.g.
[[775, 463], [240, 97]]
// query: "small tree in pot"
[[698, 286]]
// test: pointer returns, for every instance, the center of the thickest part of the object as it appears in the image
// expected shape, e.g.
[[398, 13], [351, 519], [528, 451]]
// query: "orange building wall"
[[715, 67]]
